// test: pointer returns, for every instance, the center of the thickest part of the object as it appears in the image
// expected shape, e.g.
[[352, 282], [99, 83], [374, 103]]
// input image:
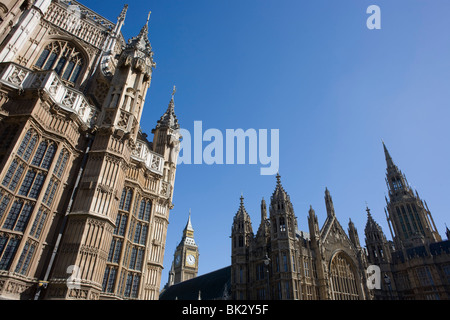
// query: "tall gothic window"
[[343, 279], [282, 224], [108, 279], [61, 163], [38, 223], [25, 258], [63, 58], [125, 201], [144, 210], [8, 248]]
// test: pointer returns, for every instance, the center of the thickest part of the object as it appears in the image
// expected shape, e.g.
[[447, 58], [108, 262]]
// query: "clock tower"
[[185, 263]]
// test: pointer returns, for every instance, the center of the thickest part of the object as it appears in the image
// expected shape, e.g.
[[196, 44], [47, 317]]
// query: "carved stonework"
[[56, 85]]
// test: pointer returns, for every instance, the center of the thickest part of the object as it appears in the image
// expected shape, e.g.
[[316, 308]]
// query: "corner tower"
[[284, 252], [119, 217], [377, 246]]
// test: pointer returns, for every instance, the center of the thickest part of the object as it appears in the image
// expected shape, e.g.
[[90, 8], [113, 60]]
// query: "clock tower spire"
[[186, 255]]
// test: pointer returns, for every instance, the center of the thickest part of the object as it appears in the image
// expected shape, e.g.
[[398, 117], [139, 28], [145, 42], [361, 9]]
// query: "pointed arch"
[[67, 59], [344, 278]]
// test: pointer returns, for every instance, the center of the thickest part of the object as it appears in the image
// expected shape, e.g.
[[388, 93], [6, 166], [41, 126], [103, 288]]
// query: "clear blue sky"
[[314, 71]]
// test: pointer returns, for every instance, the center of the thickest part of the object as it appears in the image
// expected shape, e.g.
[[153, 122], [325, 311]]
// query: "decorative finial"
[[174, 91], [123, 13], [278, 178], [148, 18], [242, 199], [367, 209]]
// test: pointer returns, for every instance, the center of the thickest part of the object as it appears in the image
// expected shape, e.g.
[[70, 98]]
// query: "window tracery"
[[63, 58]]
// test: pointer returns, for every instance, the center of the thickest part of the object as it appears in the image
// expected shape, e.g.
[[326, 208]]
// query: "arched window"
[[27, 145], [282, 224], [44, 155], [144, 210], [241, 241], [63, 58], [343, 278], [61, 163], [125, 201]]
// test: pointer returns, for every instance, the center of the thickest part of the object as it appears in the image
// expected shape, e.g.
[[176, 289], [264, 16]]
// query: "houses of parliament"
[[85, 195], [283, 263]]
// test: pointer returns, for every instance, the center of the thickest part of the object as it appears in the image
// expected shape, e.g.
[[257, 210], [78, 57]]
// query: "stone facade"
[[416, 264], [281, 262], [85, 196]]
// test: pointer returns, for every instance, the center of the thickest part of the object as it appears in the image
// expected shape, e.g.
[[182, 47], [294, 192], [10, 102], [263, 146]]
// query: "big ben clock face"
[[190, 260], [177, 260]]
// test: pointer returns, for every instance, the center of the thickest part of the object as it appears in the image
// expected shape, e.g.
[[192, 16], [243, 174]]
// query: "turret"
[[329, 203], [122, 108], [166, 134], [409, 216], [241, 232], [376, 243], [241, 236], [282, 218], [313, 224], [353, 234], [111, 42], [263, 211]]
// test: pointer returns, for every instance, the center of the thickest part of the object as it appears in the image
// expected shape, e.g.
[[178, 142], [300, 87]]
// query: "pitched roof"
[[211, 286]]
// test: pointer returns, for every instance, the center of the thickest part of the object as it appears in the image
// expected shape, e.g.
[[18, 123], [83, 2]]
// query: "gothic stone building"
[[282, 263], [84, 196], [416, 264]]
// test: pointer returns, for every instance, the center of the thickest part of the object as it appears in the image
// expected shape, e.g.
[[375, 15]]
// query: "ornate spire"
[[242, 213], [242, 221], [189, 223], [188, 232], [389, 161], [353, 234], [174, 91], [141, 41], [263, 210], [371, 224], [123, 13], [169, 119], [241, 206]]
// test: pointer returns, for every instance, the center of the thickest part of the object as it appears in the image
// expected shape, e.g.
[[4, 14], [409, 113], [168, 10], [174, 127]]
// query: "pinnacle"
[[141, 41], [279, 190], [389, 161], [169, 119]]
